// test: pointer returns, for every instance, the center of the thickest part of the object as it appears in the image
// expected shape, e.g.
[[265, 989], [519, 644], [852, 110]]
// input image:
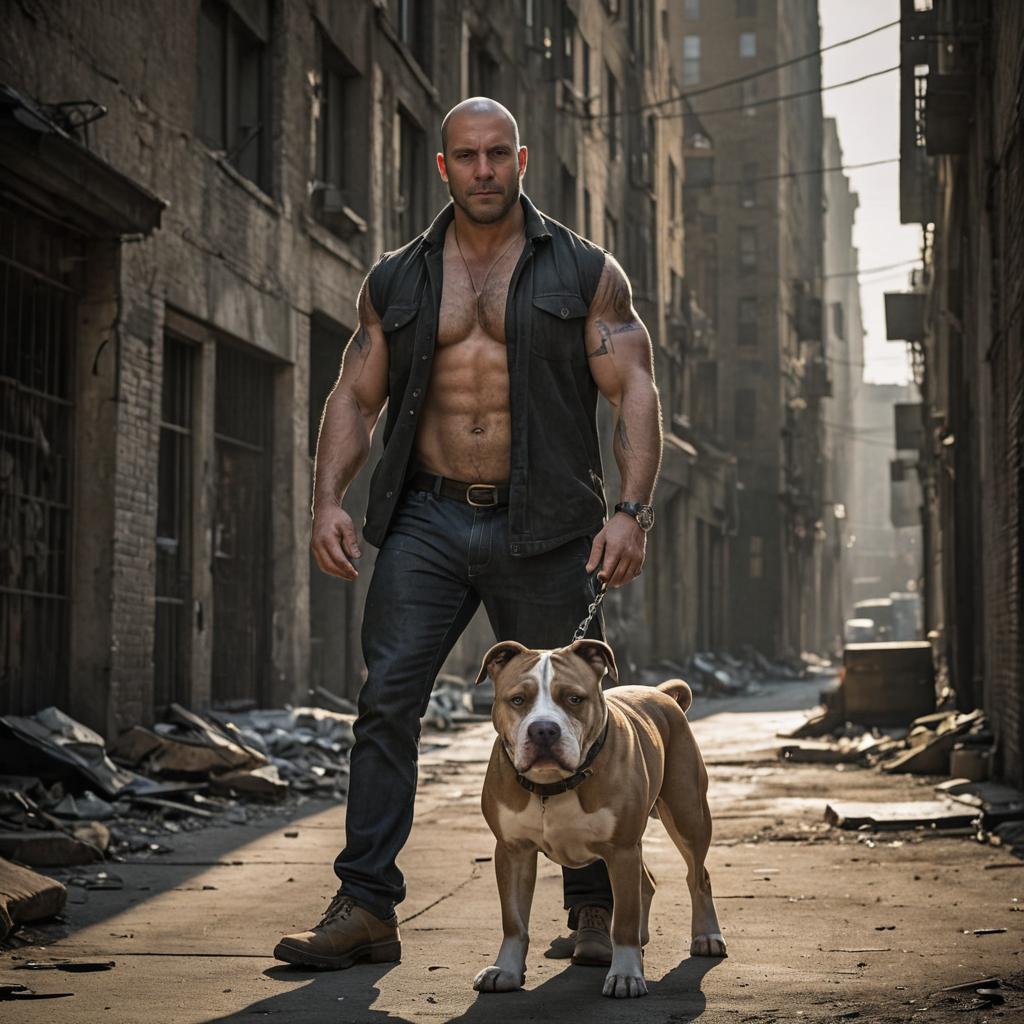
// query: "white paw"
[[494, 979], [624, 986], [708, 945]]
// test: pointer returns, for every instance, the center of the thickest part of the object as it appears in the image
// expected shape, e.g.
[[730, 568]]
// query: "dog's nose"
[[544, 732]]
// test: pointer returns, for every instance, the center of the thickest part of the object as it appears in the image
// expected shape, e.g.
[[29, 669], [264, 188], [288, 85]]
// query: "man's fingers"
[[596, 553], [349, 541], [332, 560]]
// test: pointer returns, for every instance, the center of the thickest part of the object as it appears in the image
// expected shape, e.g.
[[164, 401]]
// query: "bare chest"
[[474, 295]]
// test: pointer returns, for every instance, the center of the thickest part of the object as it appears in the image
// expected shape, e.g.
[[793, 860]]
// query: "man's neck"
[[483, 240]]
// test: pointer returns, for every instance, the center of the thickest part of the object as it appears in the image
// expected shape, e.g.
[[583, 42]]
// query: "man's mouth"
[[487, 192]]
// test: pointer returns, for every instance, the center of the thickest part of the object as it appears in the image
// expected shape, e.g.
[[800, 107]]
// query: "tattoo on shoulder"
[[620, 299]]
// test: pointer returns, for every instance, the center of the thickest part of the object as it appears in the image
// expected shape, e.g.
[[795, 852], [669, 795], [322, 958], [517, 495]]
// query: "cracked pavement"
[[822, 925]]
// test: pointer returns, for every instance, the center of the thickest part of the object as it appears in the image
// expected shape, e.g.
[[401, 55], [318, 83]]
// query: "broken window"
[[234, 84]]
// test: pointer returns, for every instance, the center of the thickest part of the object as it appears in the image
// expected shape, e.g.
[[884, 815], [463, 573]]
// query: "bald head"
[[477, 106]]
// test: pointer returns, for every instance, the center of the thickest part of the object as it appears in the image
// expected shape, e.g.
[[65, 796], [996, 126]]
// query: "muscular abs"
[[464, 430]]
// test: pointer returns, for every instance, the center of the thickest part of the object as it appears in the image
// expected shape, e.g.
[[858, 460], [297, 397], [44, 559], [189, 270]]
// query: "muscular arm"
[[621, 363], [343, 444]]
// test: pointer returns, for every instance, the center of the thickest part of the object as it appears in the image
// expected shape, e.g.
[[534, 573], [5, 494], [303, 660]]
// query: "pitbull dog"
[[575, 772]]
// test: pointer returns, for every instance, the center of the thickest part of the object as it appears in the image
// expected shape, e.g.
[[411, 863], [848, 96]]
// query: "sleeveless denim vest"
[[556, 488]]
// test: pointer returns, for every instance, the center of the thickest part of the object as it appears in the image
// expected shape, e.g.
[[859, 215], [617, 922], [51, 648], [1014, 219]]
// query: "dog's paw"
[[708, 945], [624, 986], [494, 979]]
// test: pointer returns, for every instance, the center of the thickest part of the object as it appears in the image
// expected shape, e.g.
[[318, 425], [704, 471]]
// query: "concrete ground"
[[822, 925]]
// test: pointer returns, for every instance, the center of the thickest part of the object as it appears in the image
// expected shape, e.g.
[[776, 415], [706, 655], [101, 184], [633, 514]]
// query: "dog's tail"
[[679, 691]]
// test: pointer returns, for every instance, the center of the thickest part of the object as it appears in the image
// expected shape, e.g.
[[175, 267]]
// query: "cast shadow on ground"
[[352, 996]]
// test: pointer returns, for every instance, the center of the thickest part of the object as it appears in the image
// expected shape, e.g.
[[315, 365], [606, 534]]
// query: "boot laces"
[[338, 909], [592, 917]]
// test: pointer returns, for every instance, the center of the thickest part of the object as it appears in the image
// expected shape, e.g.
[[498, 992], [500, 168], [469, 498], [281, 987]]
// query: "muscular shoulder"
[[613, 298], [391, 271]]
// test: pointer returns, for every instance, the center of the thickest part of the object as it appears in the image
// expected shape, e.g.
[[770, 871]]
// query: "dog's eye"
[[575, 698], [517, 700]]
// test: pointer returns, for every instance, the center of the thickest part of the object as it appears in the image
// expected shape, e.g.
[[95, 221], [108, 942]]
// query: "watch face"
[[645, 517]]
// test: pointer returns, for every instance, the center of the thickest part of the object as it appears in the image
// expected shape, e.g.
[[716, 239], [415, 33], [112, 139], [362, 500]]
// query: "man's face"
[[482, 167]]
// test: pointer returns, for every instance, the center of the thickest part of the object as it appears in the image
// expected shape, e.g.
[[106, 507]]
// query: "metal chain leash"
[[581, 629]]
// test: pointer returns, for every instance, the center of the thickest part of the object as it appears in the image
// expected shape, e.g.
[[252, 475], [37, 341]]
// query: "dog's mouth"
[[544, 760]]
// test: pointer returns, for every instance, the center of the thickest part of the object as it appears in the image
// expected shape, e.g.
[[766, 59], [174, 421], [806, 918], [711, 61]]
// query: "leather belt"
[[477, 495]]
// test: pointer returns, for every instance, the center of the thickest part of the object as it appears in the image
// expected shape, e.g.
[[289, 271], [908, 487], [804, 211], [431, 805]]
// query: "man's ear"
[[497, 657], [598, 655]]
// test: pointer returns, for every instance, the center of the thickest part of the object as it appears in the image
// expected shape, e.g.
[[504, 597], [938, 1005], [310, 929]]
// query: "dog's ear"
[[598, 655], [497, 657]]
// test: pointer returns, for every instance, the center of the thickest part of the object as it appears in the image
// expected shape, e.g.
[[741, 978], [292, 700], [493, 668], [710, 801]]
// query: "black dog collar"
[[543, 789]]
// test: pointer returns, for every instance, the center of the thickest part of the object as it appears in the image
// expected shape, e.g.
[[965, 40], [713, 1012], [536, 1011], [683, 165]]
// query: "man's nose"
[[543, 732], [484, 169]]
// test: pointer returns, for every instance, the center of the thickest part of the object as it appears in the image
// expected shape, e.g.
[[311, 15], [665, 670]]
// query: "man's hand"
[[334, 542], [619, 549]]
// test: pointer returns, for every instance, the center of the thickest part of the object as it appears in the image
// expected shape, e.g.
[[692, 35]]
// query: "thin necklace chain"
[[480, 291]]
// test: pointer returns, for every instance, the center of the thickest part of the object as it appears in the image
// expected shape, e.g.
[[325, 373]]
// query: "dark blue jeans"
[[441, 559]]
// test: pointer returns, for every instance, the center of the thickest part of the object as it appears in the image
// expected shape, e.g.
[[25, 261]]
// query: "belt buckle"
[[493, 488]]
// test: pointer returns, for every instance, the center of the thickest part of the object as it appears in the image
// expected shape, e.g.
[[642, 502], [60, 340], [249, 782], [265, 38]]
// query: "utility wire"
[[872, 270], [789, 174], [777, 99], [757, 73]]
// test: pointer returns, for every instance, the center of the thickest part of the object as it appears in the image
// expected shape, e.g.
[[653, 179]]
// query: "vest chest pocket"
[[397, 316], [399, 326], [558, 325]]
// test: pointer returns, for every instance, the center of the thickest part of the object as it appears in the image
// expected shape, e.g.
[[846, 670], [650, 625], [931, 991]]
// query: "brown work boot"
[[346, 934], [593, 941]]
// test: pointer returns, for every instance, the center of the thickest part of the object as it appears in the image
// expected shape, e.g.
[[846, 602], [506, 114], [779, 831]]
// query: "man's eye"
[[517, 700]]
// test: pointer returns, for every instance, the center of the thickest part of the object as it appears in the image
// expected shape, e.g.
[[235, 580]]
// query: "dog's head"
[[548, 705]]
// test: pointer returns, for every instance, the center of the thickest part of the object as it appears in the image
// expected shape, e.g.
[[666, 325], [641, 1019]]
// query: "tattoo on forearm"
[[621, 436]]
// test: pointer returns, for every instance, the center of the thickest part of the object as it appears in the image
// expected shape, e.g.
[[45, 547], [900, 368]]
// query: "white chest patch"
[[559, 827]]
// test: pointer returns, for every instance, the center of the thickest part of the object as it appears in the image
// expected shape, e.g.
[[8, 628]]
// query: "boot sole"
[[374, 953]]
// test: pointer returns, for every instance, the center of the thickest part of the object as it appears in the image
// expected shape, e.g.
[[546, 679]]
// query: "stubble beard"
[[488, 216]]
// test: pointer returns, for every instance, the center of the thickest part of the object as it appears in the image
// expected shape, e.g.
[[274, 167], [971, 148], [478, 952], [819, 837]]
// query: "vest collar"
[[533, 223], [546, 789]]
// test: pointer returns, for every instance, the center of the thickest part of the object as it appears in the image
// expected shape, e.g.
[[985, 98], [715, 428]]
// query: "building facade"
[[962, 179]]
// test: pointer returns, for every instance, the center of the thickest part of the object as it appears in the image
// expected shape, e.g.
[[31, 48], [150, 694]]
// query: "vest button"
[[416, 393], [565, 312], [515, 549], [388, 495], [424, 358]]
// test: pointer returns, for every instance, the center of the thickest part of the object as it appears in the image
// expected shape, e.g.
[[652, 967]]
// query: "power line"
[[757, 73], [791, 174], [872, 270], [778, 99]]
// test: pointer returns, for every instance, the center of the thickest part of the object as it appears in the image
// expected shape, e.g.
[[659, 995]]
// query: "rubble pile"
[[720, 674]]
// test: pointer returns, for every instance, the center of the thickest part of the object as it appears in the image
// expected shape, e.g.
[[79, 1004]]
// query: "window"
[[234, 85], [705, 397], [613, 113], [756, 558], [700, 171], [336, 171], [412, 19], [412, 154], [691, 60], [747, 246], [746, 8], [567, 214], [568, 44], [745, 414], [746, 322], [748, 97], [691, 9], [528, 12], [611, 231], [748, 44], [483, 69], [838, 321], [747, 188], [588, 216], [585, 55], [673, 190], [677, 296]]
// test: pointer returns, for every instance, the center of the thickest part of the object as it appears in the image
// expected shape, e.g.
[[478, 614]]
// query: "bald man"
[[489, 338]]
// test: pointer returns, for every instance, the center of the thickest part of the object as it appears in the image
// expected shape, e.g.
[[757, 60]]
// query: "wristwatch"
[[643, 514]]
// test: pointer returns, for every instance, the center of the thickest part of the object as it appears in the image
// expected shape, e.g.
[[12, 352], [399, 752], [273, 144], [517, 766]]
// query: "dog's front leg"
[[516, 871], [625, 978]]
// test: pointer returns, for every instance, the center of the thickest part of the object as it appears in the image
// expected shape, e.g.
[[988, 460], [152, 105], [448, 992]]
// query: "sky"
[[868, 118]]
